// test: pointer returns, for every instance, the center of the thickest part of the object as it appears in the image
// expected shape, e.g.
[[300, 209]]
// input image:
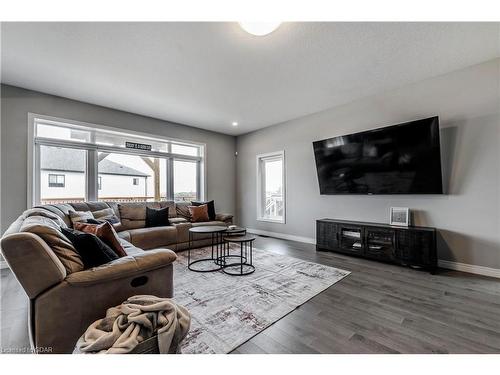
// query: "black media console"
[[411, 246]]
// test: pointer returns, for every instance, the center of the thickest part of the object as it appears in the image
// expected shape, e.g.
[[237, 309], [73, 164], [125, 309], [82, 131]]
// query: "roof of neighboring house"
[[65, 159]]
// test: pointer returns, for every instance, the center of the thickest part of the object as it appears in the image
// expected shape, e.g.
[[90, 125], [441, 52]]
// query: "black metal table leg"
[[244, 264], [215, 255]]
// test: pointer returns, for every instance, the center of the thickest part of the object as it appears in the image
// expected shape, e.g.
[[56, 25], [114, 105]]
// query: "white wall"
[[467, 217], [122, 186], [74, 185]]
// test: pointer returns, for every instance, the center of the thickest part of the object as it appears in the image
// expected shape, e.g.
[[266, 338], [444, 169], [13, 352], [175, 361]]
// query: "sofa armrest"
[[125, 267], [32, 261], [227, 218]]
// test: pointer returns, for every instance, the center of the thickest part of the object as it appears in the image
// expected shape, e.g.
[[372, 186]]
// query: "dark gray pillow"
[[157, 217], [92, 249]]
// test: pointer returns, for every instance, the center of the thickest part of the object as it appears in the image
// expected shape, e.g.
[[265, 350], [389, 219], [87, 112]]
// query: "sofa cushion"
[[182, 209], [177, 220], [171, 208], [150, 238], [50, 232], [61, 210], [80, 216], [133, 215], [129, 248], [106, 214], [97, 206], [92, 249]]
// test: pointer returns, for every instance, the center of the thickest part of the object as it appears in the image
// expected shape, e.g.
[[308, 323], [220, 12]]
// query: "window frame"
[[261, 159], [92, 149]]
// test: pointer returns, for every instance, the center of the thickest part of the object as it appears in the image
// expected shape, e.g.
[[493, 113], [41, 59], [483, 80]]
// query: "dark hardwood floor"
[[378, 308], [382, 308]]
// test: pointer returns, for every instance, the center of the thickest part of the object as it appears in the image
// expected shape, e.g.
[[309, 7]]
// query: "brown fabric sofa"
[[64, 304], [133, 220]]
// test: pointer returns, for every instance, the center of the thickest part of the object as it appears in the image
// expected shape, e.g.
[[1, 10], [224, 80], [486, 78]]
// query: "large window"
[[271, 187], [73, 162], [62, 174]]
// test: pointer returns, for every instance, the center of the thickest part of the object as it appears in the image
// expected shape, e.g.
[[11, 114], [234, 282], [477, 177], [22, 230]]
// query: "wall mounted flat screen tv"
[[398, 159]]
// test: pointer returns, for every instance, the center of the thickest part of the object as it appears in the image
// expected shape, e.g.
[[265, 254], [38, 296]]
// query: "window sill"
[[269, 220]]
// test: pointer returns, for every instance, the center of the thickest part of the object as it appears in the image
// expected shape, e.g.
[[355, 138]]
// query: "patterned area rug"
[[229, 310]]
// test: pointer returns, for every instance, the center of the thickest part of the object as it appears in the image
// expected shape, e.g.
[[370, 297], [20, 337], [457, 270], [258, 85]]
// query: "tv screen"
[[398, 159]]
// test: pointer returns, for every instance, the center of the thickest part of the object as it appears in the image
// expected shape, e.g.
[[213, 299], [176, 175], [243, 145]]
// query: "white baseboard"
[[283, 236], [470, 268], [464, 267]]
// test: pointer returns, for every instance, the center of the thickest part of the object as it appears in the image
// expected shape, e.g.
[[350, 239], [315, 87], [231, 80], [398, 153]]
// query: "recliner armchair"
[[62, 306]]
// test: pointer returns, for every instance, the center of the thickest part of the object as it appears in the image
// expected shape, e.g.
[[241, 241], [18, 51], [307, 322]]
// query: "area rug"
[[229, 310]]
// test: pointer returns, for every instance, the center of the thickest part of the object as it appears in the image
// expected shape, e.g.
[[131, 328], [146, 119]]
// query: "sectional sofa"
[[64, 298]]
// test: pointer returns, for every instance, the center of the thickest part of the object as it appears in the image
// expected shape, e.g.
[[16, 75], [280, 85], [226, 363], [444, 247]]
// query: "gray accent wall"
[[17, 102], [467, 216]]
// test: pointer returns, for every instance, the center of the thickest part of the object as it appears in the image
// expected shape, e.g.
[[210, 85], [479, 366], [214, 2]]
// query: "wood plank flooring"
[[378, 308], [382, 308]]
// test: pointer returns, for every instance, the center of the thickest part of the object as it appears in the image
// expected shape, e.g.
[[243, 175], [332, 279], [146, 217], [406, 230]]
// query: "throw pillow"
[[106, 214], [105, 232], [199, 213], [80, 216], [156, 218], [93, 250], [95, 221], [211, 208]]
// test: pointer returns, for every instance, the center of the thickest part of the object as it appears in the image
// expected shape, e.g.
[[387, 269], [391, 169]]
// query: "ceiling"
[[211, 74]]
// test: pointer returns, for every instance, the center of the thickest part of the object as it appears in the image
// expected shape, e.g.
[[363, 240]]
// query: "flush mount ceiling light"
[[259, 28], [234, 123]]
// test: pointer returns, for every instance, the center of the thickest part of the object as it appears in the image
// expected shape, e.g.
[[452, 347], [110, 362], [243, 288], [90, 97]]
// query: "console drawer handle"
[[139, 281]]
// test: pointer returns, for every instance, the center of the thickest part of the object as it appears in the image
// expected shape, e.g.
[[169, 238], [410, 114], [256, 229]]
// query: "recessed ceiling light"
[[234, 123], [259, 28]]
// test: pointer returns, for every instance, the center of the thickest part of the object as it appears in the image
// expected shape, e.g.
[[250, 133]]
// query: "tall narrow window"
[[185, 180], [271, 187]]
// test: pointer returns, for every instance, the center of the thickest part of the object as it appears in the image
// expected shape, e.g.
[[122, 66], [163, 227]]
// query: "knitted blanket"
[[135, 320]]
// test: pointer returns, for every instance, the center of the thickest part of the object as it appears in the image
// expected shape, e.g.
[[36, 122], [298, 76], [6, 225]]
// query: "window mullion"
[[91, 176], [36, 197], [198, 182], [170, 179]]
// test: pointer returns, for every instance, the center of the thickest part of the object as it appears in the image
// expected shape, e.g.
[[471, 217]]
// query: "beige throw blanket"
[[135, 320]]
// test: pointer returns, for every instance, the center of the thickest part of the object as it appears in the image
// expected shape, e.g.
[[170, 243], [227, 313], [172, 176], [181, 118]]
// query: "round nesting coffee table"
[[244, 264], [217, 232]]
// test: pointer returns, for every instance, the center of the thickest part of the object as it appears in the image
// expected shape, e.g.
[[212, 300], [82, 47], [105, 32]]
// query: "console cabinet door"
[[416, 247], [380, 243], [351, 239], [326, 235]]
